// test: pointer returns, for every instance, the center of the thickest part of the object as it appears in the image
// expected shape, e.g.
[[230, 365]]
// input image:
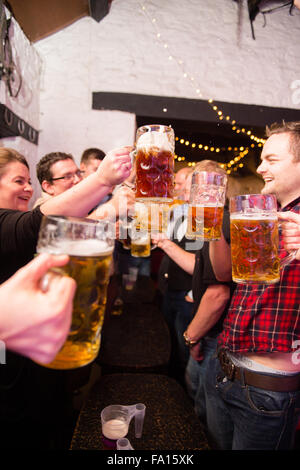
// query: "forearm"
[[78, 200], [105, 211], [209, 311], [184, 259], [220, 258]]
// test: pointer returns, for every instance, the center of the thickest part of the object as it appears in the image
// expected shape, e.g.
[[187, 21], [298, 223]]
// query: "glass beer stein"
[[89, 244], [206, 205], [155, 146], [151, 217], [140, 244], [255, 239]]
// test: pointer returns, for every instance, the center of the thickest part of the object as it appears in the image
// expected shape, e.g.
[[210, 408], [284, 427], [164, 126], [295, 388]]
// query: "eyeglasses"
[[69, 176]]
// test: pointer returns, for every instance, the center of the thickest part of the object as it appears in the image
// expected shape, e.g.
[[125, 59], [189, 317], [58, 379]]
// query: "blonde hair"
[[8, 155]]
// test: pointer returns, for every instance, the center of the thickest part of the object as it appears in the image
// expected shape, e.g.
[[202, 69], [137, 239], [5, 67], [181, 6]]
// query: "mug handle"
[[290, 256], [288, 259]]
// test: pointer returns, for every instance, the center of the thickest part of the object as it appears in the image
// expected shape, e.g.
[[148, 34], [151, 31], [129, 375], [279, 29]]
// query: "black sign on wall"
[[12, 125]]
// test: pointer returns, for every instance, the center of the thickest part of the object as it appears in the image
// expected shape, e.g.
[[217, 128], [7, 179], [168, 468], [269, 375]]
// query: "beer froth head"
[[75, 236], [160, 140]]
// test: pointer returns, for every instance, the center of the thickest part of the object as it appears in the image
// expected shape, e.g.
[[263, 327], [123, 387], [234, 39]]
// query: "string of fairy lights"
[[233, 165], [234, 162]]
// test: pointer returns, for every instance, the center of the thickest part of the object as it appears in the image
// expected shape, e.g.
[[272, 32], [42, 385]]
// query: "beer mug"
[[255, 239], [155, 146], [89, 244], [140, 244], [150, 217], [206, 205]]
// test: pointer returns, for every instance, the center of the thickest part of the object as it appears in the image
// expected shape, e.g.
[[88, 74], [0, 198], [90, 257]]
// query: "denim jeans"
[[195, 377], [178, 314], [243, 417]]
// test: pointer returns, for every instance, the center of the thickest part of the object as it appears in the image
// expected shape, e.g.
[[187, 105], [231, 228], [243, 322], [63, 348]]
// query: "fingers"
[[62, 287], [36, 269], [290, 230], [289, 216], [122, 150], [122, 154]]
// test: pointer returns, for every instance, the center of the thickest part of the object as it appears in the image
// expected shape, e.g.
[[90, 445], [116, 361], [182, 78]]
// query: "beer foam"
[[141, 241], [253, 216], [80, 248], [154, 139], [207, 204]]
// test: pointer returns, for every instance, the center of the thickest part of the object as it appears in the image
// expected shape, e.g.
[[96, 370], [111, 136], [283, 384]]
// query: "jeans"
[[178, 314], [243, 417], [195, 377], [124, 260]]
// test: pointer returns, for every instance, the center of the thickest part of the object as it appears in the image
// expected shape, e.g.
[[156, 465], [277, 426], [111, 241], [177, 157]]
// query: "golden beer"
[[205, 222], [141, 245], [91, 274], [89, 245], [254, 249], [152, 217]]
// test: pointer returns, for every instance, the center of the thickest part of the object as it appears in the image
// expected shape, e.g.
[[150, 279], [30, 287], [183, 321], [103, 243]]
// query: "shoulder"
[[10, 217]]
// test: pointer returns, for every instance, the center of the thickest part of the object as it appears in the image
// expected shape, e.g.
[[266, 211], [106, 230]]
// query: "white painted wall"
[[123, 53]]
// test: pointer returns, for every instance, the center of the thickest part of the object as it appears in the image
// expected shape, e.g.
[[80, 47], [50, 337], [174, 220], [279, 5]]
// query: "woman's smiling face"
[[15, 187]]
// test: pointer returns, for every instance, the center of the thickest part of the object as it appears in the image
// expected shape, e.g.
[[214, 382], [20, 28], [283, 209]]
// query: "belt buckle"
[[227, 365]]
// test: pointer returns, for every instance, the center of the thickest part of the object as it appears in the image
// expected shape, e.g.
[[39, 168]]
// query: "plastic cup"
[[124, 444], [139, 419]]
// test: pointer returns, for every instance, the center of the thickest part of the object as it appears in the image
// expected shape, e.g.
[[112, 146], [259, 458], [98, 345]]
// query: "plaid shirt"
[[265, 318]]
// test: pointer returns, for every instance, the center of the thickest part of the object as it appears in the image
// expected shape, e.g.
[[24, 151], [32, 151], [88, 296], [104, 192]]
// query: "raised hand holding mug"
[[254, 235], [89, 244]]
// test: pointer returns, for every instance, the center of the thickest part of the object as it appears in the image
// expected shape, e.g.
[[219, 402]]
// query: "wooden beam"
[[166, 107]]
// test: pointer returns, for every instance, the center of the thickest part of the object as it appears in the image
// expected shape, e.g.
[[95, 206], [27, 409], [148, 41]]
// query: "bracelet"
[[188, 341]]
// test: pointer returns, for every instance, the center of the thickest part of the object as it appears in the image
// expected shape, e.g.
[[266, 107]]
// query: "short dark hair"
[[292, 128], [43, 168], [92, 153]]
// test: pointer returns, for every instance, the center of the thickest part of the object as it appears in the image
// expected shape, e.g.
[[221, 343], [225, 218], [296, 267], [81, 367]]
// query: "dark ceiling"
[[40, 18]]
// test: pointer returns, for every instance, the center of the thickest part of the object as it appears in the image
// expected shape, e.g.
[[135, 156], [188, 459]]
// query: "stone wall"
[[190, 49], [187, 49], [26, 105]]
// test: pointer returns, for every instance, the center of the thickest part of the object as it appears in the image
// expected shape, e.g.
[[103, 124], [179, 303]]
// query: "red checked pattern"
[[264, 318]]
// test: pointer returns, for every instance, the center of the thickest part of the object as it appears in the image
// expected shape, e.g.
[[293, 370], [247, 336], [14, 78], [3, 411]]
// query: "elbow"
[[218, 293]]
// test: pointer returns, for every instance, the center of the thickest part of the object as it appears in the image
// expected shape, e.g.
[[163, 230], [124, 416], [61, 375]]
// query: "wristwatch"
[[188, 341]]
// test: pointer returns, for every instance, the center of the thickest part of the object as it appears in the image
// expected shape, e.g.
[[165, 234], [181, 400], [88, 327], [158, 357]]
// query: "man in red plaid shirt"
[[254, 384]]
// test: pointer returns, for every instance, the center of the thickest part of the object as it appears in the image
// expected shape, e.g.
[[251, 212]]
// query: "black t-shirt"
[[30, 394], [18, 239], [203, 275]]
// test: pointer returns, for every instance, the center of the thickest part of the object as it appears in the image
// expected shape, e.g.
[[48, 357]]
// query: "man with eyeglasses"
[[56, 172]]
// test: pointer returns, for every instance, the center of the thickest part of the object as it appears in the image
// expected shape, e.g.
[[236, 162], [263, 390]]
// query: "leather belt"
[[275, 383]]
